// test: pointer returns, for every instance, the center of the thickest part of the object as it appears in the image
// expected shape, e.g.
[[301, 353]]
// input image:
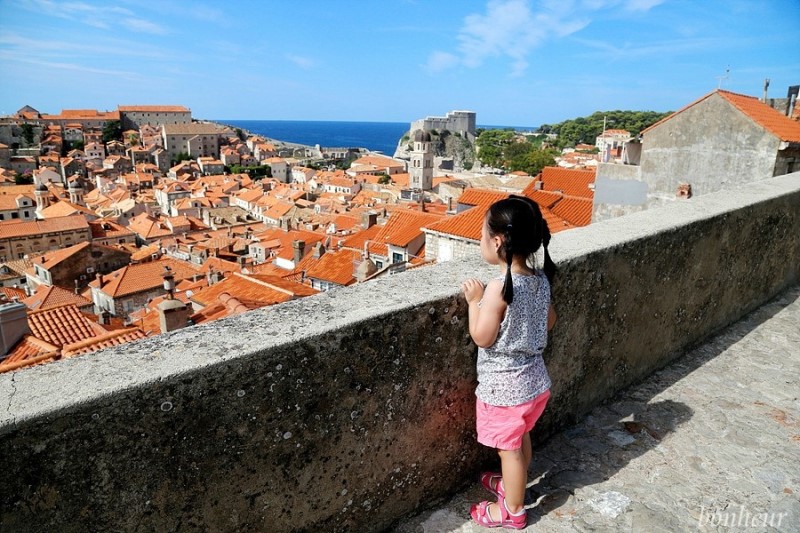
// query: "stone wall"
[[352, 408]]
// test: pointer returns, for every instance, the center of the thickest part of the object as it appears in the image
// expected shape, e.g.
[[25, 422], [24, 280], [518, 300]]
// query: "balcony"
[[352, 409]]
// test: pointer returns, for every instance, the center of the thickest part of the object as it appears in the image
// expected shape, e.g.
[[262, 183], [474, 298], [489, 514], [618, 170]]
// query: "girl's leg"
[[527, 451], [514, 467]]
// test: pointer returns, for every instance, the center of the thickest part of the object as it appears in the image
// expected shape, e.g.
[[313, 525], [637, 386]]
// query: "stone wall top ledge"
[[47, 389]]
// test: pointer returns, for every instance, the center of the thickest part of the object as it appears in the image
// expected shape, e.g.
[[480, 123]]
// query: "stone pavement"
[[709, 443]]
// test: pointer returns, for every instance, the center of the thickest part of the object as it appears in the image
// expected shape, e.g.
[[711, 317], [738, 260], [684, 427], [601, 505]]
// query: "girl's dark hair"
[[519, 220]]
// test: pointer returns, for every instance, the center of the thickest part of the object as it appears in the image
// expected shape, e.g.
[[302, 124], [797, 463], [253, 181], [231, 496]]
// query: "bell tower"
[[421, 170]]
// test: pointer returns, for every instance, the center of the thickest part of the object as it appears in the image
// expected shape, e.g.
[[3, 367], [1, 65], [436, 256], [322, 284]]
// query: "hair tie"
[[508, 226]]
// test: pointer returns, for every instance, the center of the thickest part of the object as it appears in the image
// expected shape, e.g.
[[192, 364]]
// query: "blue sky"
[[514, 62]]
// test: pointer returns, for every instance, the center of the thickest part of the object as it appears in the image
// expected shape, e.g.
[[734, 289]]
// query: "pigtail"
[[549, 266], [508, 284]]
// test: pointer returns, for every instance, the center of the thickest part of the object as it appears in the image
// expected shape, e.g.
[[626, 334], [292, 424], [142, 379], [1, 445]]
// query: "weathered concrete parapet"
[[349, 409]]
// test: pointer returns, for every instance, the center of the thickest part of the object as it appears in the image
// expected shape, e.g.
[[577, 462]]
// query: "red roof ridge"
[[762, 114]]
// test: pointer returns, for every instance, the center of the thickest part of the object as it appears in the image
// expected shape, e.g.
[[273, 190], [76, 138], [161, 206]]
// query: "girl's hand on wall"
[[473, 290]]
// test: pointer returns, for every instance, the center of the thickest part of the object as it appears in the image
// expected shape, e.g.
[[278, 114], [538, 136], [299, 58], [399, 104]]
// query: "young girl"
[[509, 320]]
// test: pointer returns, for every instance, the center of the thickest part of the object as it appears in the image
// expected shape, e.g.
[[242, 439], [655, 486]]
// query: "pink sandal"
[[480, 514], [486, 480]]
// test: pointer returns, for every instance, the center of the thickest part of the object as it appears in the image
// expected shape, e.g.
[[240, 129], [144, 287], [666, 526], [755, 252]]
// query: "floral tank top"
[[511, 371]]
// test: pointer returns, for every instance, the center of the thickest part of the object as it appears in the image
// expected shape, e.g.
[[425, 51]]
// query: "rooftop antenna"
[[722, 78]]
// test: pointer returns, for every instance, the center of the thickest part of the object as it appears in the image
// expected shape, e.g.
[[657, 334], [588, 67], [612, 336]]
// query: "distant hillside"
[[586, 129]]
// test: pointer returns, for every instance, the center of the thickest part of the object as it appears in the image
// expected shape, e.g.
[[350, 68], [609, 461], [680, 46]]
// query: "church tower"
[[76, 191], [42, 195], [421, 169]]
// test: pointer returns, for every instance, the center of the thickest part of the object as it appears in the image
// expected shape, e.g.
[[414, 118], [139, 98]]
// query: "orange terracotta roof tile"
[[62, 325], [482, 197], [105, 228], [142, 277], [51, 259], [336, 267], [106, 340], [14, 228], [28, 352], [466, 224], [255, 291], [576, 211], [378, 161], [543, 198], [356, 240], [767, 117], [154, 108], [48, 296], [569, 181], [401, 228], [12, 292]]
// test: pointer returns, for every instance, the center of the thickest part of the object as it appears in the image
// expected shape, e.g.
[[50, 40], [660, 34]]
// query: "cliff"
[[447, 146]]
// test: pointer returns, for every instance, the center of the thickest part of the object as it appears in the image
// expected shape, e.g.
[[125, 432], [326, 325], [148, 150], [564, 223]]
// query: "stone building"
[[720, 141], [195, 139], [75, 266], [136, 116], [21, 238], [133, 286], [21, 206], [420, 169], [85, 118], [462, 122]]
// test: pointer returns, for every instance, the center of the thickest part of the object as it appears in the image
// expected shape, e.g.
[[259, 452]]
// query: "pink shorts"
[[503, 427]]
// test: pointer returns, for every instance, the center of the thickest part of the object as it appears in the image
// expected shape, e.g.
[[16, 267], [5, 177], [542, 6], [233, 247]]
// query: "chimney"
[[104, 318], [319, 250], [172, 315], [369, 219], [364, 269], [299, 248], [13, 326], [766, 86]]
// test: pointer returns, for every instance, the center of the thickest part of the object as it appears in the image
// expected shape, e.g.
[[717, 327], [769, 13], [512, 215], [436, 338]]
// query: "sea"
[[375, 136]]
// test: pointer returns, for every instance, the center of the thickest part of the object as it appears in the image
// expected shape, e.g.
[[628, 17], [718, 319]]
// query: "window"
[[14, 215], [397, 258]]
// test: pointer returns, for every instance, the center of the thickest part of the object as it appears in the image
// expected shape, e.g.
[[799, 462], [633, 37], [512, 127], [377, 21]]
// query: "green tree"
[[112, 131], [586, 129], [491, 145], [181, 156], [385, 179], [240, 134], [533, 161], [23, 179], [27, 133]]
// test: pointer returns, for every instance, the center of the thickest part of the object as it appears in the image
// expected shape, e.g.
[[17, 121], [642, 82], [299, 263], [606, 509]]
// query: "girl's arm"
[[484, 321], [551, 318]]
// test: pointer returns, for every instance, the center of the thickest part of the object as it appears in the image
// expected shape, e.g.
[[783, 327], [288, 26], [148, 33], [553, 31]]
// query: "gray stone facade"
[[711, 145]]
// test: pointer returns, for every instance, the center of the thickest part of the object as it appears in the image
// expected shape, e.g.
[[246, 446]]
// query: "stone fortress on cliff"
[[462, 122]]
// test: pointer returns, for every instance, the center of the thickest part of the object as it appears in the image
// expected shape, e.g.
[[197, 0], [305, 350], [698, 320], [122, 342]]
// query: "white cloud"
[[143, 26], [439, 61], [512, 29], [300, 61], [642, 5], [100, 16]]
